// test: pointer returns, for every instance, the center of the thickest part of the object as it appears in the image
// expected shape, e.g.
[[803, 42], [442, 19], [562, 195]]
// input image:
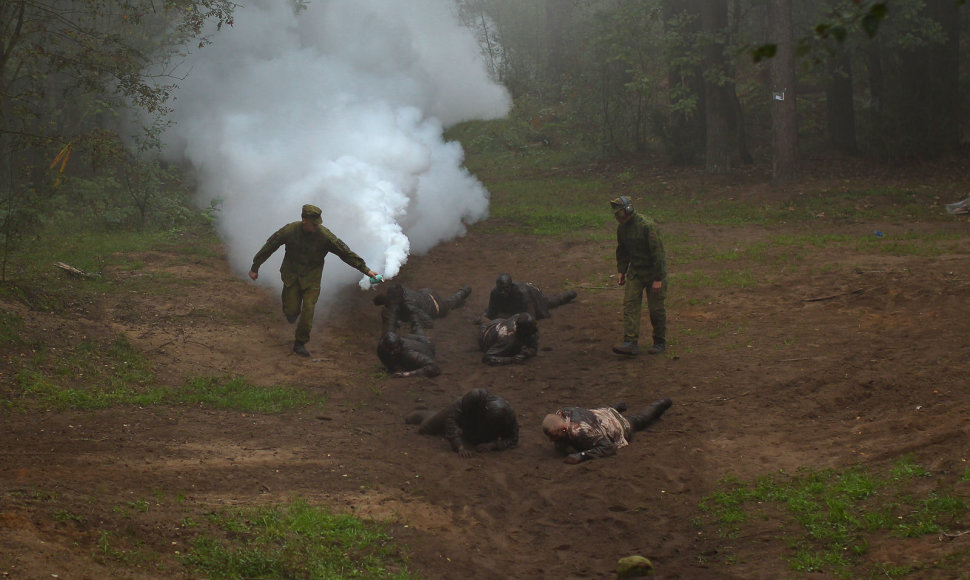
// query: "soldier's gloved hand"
[[465, 453]]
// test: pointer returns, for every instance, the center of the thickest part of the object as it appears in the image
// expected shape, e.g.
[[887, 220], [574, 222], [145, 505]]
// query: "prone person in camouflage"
[[584, 434], [307, 245], [641, 266], [508, 298], [416, 308], [478, 421], [408, 355], [508, 340]]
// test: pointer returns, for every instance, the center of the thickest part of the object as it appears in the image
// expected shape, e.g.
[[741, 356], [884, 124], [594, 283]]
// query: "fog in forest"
[[341, 105]]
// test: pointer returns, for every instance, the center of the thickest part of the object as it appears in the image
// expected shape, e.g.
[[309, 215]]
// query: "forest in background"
[[709, 83]]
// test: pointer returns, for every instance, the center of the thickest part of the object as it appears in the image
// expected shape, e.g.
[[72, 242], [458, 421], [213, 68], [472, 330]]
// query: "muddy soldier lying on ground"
[[408, 355], [415, 308], [584, 434], [479, 420], [307, 245], [508, 298], [508, 340]]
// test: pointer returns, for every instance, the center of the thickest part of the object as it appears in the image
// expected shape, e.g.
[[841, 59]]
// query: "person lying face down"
[[416, 309], [408, 355], [479, 421], [508, 298], [508, 340], [582, 434]]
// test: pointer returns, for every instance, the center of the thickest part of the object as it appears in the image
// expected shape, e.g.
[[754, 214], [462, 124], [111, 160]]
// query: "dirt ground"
[[829, 358]]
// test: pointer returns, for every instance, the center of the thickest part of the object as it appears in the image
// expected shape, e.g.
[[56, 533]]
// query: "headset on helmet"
[[623, 204]]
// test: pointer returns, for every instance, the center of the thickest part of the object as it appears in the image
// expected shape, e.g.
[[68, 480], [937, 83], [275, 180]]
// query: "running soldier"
[[307, 245]]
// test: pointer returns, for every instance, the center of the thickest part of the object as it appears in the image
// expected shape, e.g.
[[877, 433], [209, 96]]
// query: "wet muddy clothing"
[[416, 309], [593, 433], [302, 269], [641, 257], [524, 297], [478, 419], [413, 354], [508, 340]]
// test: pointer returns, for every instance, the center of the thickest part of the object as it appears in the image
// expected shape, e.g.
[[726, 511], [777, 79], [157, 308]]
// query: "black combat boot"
[[628, 348], [657, 348], [299, 349]]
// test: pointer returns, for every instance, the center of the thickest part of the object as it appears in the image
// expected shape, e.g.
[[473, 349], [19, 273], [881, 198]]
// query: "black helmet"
[[503, 281]]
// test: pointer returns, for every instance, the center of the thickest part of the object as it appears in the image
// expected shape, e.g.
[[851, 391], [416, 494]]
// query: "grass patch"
[[236, 393], [293, 541], [830, 518], [113, 373]]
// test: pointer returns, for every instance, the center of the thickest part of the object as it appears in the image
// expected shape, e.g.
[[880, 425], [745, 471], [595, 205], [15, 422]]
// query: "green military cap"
[[312, 213]]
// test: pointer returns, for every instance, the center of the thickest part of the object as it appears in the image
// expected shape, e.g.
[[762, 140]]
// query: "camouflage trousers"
[[299, 302], [634, 288]]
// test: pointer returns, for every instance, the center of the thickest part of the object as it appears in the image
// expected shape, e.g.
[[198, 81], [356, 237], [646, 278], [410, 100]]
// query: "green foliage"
[[293, 541], [64, 82], [830, 517]]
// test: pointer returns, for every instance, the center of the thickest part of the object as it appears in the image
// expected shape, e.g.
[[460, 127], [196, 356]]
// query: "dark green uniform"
[[302, 269], [640, 256]]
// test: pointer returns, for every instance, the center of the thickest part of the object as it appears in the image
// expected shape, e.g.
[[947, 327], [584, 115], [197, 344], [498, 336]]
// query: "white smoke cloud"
[[341, 105]]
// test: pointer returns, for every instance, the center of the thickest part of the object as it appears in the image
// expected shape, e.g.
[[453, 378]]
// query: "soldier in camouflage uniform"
[[641, 264], [584, 434], [307, 245]]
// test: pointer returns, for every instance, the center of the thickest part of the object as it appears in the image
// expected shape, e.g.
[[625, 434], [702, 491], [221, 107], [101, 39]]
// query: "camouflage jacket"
[[639, 251], [597, 432], [305, 253]]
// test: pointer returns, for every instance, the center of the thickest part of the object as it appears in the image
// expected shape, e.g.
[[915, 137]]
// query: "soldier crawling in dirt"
[[417, 308], [508, 298], [508, 340], [408, 355], [478, 420], [585, 434]]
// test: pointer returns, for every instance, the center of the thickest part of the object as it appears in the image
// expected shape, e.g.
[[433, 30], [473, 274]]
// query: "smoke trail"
[[341, 105]]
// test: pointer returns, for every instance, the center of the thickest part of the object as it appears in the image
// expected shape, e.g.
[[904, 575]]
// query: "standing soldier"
[[307, 245], [642, 267]]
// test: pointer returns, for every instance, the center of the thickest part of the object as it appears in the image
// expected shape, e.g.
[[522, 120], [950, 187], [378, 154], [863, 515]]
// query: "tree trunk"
[[685, 129], [558, 18], [839, 103], [784, 120], [717, 104]]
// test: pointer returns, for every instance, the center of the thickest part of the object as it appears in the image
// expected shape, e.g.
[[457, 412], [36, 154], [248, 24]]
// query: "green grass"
[[112, 373], [296, 540], [828, 518]]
